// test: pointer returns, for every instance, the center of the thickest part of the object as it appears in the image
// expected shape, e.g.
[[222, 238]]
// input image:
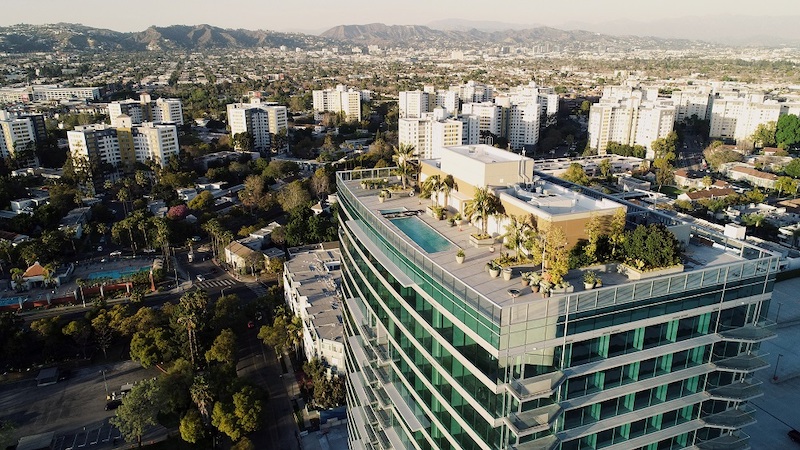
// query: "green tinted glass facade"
[[432, 364]]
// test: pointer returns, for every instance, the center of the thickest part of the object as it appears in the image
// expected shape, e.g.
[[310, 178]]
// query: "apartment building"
[[490, 117], [413, 104], [125, 145], [431, 132], [630, 117], [261, 120], [339, 100], [439, 355], [145, 109], [311, 278], [48, 93], [18, 137], [736, 115], [692, 101]]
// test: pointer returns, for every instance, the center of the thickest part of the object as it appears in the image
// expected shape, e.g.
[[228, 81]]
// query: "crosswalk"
[[220, 283]]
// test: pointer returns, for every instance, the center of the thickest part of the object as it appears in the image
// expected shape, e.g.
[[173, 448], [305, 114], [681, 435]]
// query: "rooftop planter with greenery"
[[483, 205]]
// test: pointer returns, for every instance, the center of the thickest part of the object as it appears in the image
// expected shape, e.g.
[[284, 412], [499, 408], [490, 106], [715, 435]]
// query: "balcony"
[[534, 421], [737, 392], [744, 363], [543, 443], [749, 333], [739, 441], [537, 387], [732, 419]]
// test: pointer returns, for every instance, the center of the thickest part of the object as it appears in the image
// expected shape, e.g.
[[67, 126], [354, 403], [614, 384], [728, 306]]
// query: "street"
[[261, 365]]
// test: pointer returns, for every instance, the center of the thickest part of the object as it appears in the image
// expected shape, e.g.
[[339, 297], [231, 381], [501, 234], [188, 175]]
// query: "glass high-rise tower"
[[440, 355]]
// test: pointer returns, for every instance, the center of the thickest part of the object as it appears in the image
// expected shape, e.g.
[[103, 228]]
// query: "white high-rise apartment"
[[339, 100], [18, 138], [124, 145], [167, 110], [430, 133], [692, 101], [260, 120], [490, 116], [523, 125], [470, 129], [413, 104], [736, 116], [630, 117], [473, 92]]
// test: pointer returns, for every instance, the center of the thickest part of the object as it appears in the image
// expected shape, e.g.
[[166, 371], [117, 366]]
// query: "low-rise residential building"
[[311, 279], [706, 194], [753, 176]]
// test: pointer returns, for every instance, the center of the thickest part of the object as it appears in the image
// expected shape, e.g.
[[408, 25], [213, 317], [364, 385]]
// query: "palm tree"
[[49, 271], [17, 277], [431, 188], [200, 391], [403, 155], [192, 308], [516, 231], [483, 204], [447, 186]]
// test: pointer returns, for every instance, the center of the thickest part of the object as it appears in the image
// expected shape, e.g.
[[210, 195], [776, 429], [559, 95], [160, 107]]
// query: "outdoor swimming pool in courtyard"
[[117, 274]]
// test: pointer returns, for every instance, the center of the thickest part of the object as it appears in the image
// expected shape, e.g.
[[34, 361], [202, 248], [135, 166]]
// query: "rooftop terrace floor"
[[473, 270]]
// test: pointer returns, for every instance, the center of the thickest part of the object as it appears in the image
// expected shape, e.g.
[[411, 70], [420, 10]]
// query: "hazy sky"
[[305, 15]]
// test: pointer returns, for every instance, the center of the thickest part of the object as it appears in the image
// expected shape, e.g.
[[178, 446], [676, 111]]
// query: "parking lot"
[[73, 408]]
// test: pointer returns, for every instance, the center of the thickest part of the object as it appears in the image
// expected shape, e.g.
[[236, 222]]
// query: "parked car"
[[113, 404]]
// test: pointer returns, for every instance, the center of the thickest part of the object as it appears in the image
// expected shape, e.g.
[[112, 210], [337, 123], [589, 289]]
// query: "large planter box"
[[408, 192], [636, 274], [478, 243]]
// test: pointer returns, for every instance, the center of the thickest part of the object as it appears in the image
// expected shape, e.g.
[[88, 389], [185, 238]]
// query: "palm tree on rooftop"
[[482, 206], [403, 155]]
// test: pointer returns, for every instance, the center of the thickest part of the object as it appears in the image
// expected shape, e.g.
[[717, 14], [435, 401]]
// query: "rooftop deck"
[[703, 254]]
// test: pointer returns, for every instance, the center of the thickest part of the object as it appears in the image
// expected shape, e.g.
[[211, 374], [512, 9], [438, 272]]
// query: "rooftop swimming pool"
[[8, 301], [117, 274], [423, 234]]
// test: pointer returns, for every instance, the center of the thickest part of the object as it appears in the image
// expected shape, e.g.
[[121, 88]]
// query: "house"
[[239, 255], [13, 238], [75, 221], [709, 194], [689, 178]]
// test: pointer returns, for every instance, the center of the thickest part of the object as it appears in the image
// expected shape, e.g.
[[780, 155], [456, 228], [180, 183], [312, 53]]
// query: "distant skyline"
[[305, 17]]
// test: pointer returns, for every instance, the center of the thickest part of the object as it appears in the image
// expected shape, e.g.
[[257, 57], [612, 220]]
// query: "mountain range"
[[450, 33], [66, 36]]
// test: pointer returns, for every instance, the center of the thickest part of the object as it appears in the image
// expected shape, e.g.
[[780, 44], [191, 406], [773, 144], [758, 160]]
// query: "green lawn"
[[671, 191]]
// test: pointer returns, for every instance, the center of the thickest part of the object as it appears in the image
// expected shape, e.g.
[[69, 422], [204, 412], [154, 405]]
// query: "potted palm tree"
[[460, 256], [535, 279], [494, 270], [525, 278], [382, 196], [589, 279], [545, 287], [482, 206]]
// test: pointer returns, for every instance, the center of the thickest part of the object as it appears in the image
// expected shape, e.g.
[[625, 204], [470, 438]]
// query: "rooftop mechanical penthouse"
[[441, 353]]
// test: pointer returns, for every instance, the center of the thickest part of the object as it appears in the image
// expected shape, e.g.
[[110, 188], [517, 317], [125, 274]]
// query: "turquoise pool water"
[[420, 232], [393, 210], [117, 274], [11, 301]]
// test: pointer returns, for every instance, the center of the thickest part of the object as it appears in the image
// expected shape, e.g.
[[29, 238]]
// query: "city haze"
[[612, 17]]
